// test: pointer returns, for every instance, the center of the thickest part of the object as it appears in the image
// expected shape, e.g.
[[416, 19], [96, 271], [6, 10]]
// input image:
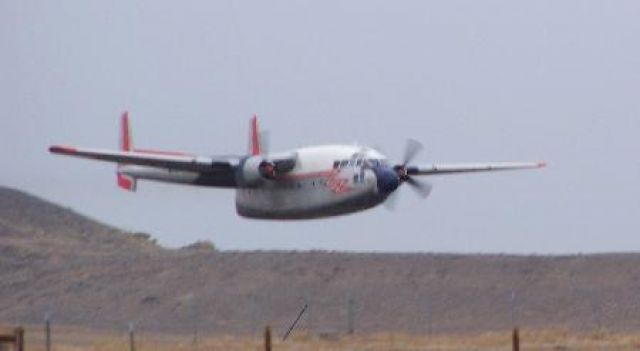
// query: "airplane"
[[305, 183]]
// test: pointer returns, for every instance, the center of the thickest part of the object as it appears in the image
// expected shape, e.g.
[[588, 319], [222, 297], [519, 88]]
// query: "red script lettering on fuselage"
[[336, 184]]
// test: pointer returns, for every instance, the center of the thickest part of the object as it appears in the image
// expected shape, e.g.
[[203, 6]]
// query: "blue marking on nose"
[[387, 180]]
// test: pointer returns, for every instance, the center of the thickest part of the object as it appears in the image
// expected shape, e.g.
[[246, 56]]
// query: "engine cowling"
[[257, 169], [267, 169]]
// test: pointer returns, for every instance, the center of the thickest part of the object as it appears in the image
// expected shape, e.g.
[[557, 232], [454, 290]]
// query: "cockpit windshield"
[[360, 162]]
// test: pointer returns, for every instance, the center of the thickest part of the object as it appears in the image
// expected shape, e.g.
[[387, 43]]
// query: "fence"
[[321, 319], [15, 339], [299, 341]]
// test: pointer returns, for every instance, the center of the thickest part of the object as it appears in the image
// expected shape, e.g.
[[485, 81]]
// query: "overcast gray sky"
[[472, 80]]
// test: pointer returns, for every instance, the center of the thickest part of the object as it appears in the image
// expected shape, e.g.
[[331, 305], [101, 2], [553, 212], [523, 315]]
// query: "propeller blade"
[[412, 149], [421, 188], [265, 141], [392, 201], [379, 148]]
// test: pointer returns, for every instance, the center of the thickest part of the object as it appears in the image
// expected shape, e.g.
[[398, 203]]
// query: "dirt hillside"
[[53, 260]]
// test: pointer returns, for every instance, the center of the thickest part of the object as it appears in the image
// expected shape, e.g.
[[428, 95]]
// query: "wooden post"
[[429, 318], [19, 335], [513, 308], [516, 339], [350, 315], [132, 340], [308, 324], [267, 338], [47, 332]]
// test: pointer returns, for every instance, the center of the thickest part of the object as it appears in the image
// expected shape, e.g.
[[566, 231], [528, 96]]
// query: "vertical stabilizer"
[[255, 136], [125, 181], [125, 133]]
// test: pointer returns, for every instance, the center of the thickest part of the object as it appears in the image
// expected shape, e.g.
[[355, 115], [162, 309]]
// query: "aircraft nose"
[[387, 180]]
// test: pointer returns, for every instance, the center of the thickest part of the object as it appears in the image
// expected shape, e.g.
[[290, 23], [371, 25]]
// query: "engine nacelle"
[[257, 169], [267, 169], [250, 171]]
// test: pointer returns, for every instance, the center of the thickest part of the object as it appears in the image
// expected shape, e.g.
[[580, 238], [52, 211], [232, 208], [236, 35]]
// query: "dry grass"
[[78, 338]]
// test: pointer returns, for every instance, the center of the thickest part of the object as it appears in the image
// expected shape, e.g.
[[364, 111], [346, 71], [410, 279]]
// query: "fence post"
[[513, 308], [47, 331], [267, 338], [516, 339], [132, 341], [19, 336], [308, 324], [195, 323], [429, 318], [350, 315]]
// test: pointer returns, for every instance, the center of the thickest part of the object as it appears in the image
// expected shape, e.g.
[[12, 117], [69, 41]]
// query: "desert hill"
[[54, 260]]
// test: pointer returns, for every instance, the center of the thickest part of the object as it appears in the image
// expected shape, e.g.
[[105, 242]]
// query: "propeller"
[[423, 189], [412, 149], [391, 202], [265, 141]]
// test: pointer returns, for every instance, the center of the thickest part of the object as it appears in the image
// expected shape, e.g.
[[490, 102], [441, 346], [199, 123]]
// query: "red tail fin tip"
[[125, 181], [255, 136], [126, 144]]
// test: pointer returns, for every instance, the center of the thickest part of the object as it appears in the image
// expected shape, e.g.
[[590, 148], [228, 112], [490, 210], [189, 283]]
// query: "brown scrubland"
[[93, 280]]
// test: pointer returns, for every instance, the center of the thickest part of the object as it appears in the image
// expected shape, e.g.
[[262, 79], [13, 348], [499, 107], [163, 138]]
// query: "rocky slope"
[[53, 260]]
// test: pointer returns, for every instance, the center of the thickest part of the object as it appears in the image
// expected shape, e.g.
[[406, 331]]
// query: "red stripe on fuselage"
[[310, 175], [334, 182]]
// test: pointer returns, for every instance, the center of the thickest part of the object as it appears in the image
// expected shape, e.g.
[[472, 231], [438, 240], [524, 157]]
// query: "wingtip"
[[60, 149], [542, 164]]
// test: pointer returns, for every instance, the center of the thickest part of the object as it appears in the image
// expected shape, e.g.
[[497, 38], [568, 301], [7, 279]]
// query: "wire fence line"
[[334, 317], [351, 313], [133, 340], [339, 316]]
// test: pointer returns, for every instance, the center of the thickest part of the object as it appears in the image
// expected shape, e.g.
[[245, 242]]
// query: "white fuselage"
[[327, 180]]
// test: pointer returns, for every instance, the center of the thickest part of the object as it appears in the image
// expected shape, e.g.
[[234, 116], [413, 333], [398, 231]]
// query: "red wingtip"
[[59, 149], [542, 164]]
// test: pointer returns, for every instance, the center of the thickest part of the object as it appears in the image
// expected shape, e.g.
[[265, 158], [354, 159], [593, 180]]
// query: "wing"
[[471, 167], [174, 161]]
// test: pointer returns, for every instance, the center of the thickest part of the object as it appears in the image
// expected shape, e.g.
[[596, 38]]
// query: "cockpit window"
[[359, 162]]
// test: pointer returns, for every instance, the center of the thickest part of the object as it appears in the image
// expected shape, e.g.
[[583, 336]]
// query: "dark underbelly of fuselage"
[[346, 206]]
